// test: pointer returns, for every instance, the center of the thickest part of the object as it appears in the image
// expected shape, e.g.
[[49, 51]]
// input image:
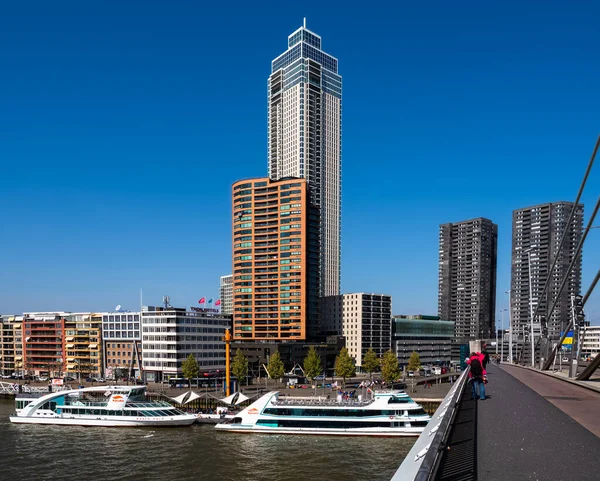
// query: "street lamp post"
[[528, 252], [502, 311], [510, 329]]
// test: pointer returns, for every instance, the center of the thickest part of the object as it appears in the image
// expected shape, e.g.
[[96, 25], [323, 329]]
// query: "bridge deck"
[[524, 431]]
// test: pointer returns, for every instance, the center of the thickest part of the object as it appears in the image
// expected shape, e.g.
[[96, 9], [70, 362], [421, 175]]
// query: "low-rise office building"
[[590, 347], [170, 335], [122, 344], [429, 336]]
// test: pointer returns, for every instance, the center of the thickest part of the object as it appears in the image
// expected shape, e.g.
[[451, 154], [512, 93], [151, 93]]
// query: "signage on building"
[[201, 309], [57, 382]]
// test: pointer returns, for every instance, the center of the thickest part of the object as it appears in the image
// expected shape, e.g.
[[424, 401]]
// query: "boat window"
[[399, 400], [417, 411], [417, 424], [354, 413]]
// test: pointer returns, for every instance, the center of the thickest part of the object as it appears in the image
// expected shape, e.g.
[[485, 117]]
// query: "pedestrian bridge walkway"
[[531, 426]]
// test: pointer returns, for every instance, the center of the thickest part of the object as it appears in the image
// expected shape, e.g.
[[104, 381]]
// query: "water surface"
[[38, 452]]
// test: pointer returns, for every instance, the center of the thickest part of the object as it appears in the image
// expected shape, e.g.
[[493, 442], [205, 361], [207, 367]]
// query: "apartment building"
[[7, 345], [43, 346], [226, 294], [276, 277], [536, 237], [363, 319], [305, 136], [82, 344], [467, 276]]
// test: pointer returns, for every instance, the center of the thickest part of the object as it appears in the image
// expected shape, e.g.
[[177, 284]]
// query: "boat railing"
[[153, 404], [320, 402]]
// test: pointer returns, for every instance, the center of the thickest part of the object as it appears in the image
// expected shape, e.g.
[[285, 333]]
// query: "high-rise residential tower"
[[365, 320], [275, 261], [304, 132], [467, 276], [536, 236], [226, 294]]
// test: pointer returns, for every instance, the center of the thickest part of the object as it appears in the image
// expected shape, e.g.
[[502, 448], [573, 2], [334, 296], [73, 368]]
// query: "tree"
[[239, 367], [371, 362], [344, 365], [275, 366], [312, 364], [389, 367], [190, 369], [414, 362]]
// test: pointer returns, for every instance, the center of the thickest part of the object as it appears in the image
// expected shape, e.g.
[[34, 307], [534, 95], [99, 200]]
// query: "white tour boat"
[[98, 406], [382, 414]]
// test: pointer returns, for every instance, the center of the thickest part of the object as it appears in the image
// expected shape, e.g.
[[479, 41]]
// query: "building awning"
[[70, 359], [70, 346], [70, 366], [70, 338], [27, 339], [18, 358], [11, 318], [93, 346]]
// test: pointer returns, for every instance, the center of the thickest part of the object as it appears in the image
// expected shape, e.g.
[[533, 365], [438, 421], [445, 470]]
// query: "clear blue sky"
[[124, 124]]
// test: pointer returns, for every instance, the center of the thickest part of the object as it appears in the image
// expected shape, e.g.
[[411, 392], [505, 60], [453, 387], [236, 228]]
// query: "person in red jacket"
[[477, 373]]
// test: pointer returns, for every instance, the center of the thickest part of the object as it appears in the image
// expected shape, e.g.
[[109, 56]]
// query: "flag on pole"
[[218, 302], [202, 301], [210, 300]]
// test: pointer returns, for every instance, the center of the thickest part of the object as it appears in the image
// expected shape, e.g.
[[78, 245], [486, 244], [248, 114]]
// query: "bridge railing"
[[424, 457]]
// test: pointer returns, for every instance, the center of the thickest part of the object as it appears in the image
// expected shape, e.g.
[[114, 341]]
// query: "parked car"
[[69, 379], [42, 378], [437, 370], [97, 379]]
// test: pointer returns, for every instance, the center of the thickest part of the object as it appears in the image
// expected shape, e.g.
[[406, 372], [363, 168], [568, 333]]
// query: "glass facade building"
[[429, 336], [304, 137]]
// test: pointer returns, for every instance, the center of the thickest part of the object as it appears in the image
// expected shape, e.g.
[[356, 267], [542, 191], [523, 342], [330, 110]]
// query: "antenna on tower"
[[304, 22], [167, 301]]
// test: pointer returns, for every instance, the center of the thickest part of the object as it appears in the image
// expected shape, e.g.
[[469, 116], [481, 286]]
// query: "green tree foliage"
[[239, 367], [389, 367], [370, 362], [275, 367], [312, 364], [190, 368], [414, 362], [344, 365]]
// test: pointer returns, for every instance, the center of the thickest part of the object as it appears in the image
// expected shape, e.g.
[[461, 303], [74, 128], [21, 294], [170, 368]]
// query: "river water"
[[37, 452]]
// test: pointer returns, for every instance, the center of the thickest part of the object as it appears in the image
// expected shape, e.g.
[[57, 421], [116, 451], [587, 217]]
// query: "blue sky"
[[124, 124]]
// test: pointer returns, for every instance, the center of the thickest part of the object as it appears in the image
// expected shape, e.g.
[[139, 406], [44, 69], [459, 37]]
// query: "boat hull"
[[106, 422], [392, 432]]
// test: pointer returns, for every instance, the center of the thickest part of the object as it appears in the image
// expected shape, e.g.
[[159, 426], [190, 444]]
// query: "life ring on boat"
[[392, 417]]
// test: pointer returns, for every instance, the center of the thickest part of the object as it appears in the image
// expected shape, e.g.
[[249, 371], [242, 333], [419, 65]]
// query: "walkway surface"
[[532, 428]]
